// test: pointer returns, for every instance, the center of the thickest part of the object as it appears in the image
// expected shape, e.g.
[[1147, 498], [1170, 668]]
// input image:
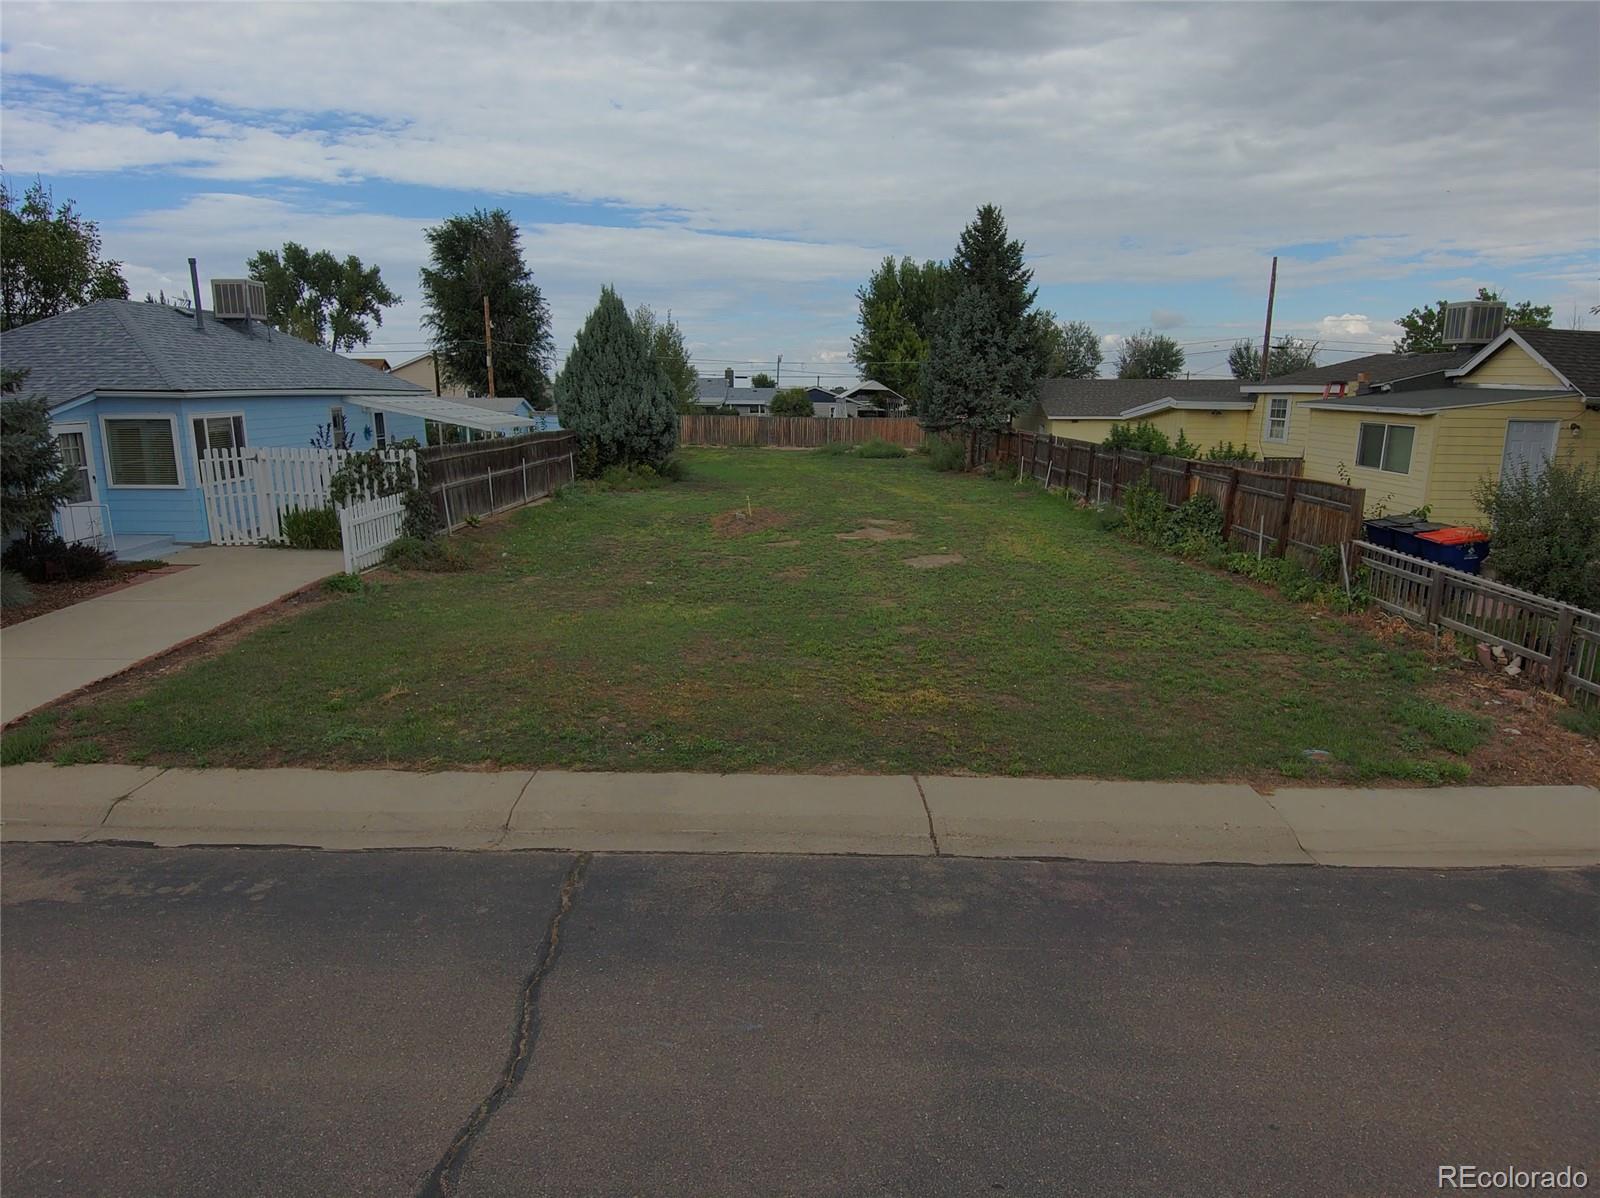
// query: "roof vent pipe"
[[194, 281]]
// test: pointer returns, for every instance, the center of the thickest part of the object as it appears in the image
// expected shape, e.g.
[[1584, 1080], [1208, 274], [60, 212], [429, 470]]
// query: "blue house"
[[137, 391]]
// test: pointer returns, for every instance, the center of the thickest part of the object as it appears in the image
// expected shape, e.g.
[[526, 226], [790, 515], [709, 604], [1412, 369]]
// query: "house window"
[[142, 451], [1385, 447], [341, 439], [379, 429], [218, 432], [1277, 418]]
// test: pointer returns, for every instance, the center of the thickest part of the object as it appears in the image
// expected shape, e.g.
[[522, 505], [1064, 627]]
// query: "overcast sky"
[[747, 165]]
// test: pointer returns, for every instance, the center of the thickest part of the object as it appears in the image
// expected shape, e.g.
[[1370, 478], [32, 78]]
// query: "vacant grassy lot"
[[724, 623]]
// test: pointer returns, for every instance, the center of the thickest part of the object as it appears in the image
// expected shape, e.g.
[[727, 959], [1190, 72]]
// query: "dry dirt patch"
[[879, 530], [742, 521], [932, 561]]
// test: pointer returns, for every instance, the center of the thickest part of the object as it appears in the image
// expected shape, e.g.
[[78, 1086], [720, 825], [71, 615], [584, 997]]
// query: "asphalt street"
[[286, 1022]]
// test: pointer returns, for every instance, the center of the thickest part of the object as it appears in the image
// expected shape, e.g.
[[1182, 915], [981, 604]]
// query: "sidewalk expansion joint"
[[445, 1177], [928, 811], [120, 799]]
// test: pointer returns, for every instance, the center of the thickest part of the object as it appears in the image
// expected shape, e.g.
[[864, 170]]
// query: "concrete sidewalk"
[[897, 815], [56, 653]]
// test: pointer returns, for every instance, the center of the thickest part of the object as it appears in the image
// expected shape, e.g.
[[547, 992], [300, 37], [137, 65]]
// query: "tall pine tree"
[[980, 369], [987, 257], [614, 394]]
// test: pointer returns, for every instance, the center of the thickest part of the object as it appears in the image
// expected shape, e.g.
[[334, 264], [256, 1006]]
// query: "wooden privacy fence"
[[1266, 506], [247, 490], [367, 528], [479, 478], [797, 432], [1561, 642]]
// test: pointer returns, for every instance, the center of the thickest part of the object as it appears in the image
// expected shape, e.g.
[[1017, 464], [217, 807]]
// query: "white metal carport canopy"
[[445, 411]]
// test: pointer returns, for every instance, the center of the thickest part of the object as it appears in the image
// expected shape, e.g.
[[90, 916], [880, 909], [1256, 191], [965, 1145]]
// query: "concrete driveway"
[[51, 655]]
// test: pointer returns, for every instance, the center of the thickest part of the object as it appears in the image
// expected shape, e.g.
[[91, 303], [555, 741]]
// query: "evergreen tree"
[[1149, 355], [33, 479], [980, 370], [986, 257], [612, 392], [470, 257], [665, 339]]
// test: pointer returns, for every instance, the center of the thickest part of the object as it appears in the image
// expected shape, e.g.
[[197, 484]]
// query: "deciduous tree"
[[1149, 355], [1070, 350], [896, 307], [792, 401], [665, 339], [475, 255], [1424, 327], [50, 260], [320, 298], [1289, 354]]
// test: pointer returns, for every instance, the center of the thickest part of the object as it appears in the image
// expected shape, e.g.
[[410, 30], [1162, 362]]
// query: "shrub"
[[14, 590], [43, 558], [1195, 528], [312, 528], [438, 554], [629, 478], [344, 584], [944, 454], [1227, 451], [879, 448], [672, 469], [1144, 512], [1141, 435], [835, 449], [1546, 530], [33, 480], [792, 401]]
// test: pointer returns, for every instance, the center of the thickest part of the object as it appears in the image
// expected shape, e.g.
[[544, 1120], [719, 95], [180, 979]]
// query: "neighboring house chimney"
[[727, 377], [1363, 383]]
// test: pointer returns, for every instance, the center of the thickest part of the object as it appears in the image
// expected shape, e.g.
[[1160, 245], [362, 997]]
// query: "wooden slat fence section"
[[367, 528], [796, 432], [1266, 505], [1563, 641], [479, 478]]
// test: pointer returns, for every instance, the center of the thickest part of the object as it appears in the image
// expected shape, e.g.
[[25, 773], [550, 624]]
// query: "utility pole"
[[778, 382], [488, 339], [1266, 338]]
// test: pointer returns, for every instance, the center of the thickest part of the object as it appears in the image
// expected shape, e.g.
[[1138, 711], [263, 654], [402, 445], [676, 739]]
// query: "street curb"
[[861, 815]]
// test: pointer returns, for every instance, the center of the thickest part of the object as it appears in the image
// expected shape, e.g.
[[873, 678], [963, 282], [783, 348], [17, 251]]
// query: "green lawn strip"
[[654, 630]]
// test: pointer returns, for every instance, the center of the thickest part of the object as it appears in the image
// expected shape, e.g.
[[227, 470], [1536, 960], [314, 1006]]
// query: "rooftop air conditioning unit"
[[239, 299], [1473, 323]]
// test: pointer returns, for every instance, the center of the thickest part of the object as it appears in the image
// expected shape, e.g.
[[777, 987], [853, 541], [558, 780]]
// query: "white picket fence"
[[367, 528], [247, 490]]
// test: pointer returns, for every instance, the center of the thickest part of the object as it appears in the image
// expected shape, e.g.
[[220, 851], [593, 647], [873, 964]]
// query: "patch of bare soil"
[[879, 530], [932, 561], [742, 521], [53, 596], [1526, 745]]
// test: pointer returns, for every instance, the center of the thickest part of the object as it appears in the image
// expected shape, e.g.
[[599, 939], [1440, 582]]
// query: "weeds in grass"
[[879, 448], [27, 742], [1585, 721], [344, 584], [434, 555], [80, 752], [1454, 731], [944, 455], [835, 449]]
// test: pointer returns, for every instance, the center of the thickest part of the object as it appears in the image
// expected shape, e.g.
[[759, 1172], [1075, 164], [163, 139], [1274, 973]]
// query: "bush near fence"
[[479, 478], [1559, 643], [797, 432], [1266, 506]]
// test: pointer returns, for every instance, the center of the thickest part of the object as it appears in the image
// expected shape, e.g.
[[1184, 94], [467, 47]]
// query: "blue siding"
[[279, 421]]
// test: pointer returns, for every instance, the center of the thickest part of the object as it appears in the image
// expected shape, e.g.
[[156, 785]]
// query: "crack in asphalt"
[[445, 1177]]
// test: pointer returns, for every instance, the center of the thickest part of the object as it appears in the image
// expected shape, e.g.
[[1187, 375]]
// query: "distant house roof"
[[712, 392], [468, 413], [125, 345], [873, 392], [492, 403], [375, 363], [1109, 399], [1424, 402], [1380, 369], [1574, 354]]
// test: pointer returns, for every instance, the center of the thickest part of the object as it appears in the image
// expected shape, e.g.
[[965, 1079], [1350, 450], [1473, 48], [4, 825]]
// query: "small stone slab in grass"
[[932, 561]]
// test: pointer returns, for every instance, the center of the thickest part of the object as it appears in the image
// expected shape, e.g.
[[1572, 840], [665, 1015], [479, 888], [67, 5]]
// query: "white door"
[[1530, 446], [82, 519]]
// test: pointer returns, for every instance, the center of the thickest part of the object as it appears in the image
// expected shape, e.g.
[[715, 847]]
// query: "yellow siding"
[[1082, 430], [1471, 444], [1330, 442], [421, 373], [1204, 428], [1510, 365], [1299, 426]]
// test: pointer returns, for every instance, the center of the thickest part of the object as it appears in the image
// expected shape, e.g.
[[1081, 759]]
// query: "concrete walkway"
[[54, 654], [760, 813]]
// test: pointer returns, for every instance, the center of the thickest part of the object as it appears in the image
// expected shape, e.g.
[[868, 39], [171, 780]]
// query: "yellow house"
[[1207, 411], [1423, 430]]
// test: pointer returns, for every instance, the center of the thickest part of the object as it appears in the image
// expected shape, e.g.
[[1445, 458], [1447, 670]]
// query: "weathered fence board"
[[796, 432], [1266, 506], [1558, 640], [479, 478]]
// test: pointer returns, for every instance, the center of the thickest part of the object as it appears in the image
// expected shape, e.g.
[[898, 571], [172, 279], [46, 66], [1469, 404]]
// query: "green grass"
[[658, 629]]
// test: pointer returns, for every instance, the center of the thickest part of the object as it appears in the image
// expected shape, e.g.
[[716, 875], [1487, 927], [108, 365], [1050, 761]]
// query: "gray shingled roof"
[[1435, 399], [124, 345], [1574, 352], [1068, 399], [1379, 368], [717, 391]]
